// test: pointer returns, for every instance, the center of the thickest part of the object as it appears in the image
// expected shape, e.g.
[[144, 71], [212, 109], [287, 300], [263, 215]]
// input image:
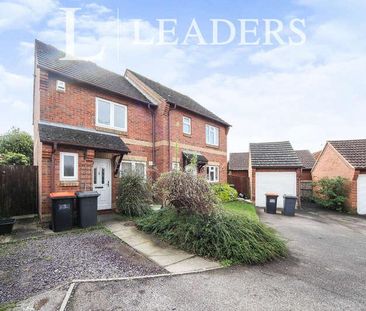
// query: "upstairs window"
[[187, 126], [111, 115], [68, 166], [212, 135]]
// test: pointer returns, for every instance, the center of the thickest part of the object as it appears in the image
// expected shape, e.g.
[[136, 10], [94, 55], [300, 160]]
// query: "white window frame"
[[133, 163], [213, 129], [187, 121], [111, 114], [216, 170], [76, 166]]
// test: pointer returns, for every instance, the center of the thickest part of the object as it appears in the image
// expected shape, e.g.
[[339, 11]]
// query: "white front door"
[[102, 182], [278, 182], [361, 194]]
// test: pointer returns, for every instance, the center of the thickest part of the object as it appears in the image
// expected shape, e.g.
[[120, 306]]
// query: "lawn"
[[241, 209]]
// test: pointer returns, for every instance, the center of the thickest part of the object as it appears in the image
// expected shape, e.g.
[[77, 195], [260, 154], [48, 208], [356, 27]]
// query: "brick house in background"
[[307, 159], [273, 167], [91, 125], [345, 158], [238, 172]]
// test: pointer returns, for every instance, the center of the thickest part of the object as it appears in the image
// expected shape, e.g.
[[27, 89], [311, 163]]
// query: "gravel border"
[[35, 265]]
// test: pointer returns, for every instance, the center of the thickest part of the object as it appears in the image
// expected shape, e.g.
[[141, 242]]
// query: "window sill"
[[212, 146], [187, 135], [69, 183], [110, 130]]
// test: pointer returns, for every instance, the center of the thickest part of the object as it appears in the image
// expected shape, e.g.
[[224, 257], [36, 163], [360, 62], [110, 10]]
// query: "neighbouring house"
[[316, 154], [307, 159], [238, 172], [274, 167], [91, 125], [306, 184], [345, 158]]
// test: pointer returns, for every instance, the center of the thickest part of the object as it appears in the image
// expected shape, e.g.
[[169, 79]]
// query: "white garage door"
[[278, 182], [361, 194]]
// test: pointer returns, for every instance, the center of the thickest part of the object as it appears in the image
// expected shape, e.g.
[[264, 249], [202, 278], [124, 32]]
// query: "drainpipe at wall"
[[152, 110], [53, 185], [169, 157]]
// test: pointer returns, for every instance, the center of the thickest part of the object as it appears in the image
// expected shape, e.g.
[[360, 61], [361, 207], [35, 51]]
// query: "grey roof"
[[306, 157], [354, 151], [48, 57], [181, 100], [273, 155], [239, 161], [81, 138]]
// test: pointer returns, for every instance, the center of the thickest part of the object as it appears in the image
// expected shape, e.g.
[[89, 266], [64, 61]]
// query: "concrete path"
[[171, 259]]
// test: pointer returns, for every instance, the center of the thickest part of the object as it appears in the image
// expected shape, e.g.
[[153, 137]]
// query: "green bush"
[[331, 193], [185, 192], [15, 143], [224, 192], [221, 236], [12, 158], [134, 196]]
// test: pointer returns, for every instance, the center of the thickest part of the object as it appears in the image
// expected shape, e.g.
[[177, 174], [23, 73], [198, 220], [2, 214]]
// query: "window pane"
[[95, 176], [103, 174], [186, 128], [126, 168], [140, 169], [119, 116], [69, 166], [104, 115]]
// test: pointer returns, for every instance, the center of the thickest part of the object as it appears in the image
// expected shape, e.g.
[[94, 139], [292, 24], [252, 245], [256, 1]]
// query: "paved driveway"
[[326, 271]]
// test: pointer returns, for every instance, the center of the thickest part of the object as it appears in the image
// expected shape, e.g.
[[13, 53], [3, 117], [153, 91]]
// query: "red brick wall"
[[306, 175], [54, 184], [76, 106], [331, 164], [197, 140]]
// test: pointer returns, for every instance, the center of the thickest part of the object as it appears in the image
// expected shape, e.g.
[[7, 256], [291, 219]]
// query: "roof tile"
[[239, 161], [49, 58], [273, 155], [354, 151]]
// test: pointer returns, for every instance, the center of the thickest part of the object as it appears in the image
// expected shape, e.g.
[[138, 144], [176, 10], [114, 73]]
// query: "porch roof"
[[72, 136]]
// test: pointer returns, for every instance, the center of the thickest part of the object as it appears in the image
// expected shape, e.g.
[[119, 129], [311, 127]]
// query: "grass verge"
[[241, 208], [222, 236]]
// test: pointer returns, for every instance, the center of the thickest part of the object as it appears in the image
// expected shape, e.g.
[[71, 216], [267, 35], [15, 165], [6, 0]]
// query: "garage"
[[274, 167], [361, 194], [278, 182]]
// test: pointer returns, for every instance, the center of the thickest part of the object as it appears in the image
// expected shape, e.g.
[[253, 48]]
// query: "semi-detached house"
[[91, 125]]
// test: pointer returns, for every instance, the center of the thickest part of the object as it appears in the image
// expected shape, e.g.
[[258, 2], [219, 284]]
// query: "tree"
[[16, 148]]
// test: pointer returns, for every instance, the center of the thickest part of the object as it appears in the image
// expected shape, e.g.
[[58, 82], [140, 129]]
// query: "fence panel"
[[18, 190], [240, 183]]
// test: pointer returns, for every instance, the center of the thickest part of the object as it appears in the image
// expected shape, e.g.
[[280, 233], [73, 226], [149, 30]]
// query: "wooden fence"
[[306, 190], [241, 184], [18, 190]]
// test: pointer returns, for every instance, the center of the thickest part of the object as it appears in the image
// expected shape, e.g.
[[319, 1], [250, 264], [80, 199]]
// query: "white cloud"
[[15, 101], [18, 14]]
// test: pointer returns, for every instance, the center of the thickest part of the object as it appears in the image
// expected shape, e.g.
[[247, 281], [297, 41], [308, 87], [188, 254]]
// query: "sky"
[[307, 93]]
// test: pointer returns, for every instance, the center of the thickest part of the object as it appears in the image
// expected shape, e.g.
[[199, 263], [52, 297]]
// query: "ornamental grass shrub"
[[224, 192], [219, 235], [186, 192], [134, 195]]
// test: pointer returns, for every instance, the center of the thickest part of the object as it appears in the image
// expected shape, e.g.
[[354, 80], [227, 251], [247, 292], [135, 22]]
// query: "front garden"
[[207, 220]]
